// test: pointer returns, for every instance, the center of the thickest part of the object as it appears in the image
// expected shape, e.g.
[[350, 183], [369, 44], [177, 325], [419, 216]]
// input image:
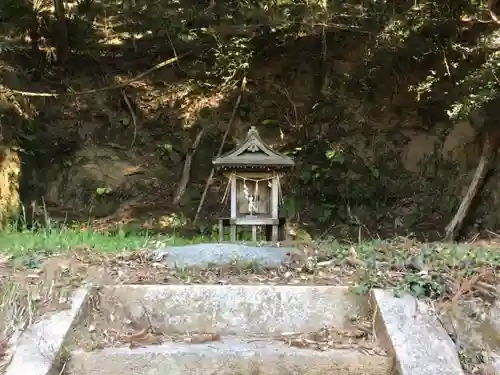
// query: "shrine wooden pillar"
[[274, 206], [234, 212]]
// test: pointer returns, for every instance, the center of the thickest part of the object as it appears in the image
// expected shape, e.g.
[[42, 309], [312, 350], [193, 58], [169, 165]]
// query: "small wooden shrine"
[[254, 172]]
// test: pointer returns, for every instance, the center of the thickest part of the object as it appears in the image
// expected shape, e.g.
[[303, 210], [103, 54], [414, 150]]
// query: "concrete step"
[[407, 328], [245, 316], [235, 309], [230, 356]]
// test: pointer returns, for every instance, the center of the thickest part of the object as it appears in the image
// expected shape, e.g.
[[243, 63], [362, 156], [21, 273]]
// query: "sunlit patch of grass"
[[64, 239], [50, 238], [50, 241]]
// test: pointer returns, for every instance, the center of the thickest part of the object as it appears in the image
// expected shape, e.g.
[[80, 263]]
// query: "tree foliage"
[[462, 35]]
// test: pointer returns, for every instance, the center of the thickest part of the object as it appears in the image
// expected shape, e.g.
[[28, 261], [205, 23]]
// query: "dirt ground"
[[82, 266], [53, 280], [47, 284], [107, 323]]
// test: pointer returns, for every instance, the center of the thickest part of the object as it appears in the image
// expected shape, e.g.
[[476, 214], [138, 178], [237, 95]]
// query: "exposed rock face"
[[10, 170], [95, 180]]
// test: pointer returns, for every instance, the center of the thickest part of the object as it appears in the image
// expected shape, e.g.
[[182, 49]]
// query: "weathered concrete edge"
[[494, 320], [494, 314], [37, 349], [233, 354], [237, 309], [496, 363], [413, 335]]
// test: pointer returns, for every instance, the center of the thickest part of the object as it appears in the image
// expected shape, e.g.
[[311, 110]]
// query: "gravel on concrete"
[[222, 254]]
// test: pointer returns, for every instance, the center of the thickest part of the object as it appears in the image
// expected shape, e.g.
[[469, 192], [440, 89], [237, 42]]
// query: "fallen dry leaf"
[[202, 338]]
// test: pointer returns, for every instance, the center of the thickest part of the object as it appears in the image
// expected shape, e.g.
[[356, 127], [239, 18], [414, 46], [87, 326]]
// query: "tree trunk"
[[35, 39], [187, 169], [36, 54], [487, 155], [493, 8], [62, 31]]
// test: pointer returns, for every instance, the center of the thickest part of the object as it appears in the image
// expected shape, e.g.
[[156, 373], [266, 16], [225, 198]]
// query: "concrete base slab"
[[202, 255], [235, 309], [415, 336], [233, 356]]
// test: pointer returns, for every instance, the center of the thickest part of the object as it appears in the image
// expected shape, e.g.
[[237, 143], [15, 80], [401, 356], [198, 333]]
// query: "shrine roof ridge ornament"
[[253, 153]]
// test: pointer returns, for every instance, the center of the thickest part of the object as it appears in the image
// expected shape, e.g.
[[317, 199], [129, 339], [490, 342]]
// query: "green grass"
[[388, 264], [384, 263], [55, 240]]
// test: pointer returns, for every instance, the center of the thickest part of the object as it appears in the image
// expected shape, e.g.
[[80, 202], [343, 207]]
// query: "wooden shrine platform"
[[275, 229]]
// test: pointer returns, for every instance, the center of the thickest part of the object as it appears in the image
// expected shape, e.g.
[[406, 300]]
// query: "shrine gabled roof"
[[253, 152]]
